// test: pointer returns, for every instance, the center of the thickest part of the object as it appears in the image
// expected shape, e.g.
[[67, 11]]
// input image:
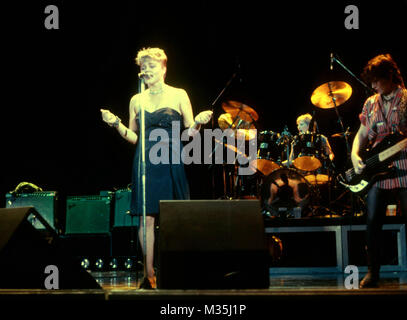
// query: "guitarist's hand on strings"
[[358, 163]]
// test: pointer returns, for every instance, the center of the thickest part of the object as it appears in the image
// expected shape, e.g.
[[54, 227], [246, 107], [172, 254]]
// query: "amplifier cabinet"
[[122, 218], [88, 214], [44, 202]]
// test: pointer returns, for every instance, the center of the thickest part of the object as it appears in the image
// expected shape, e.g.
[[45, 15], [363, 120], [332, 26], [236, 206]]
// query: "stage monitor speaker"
[[25, 253], [212, 244]]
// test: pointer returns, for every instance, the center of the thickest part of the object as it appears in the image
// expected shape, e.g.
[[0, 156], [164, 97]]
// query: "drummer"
[[303, 123]]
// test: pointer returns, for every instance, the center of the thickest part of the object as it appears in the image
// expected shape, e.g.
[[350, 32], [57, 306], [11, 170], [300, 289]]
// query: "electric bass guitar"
[[378, 164]]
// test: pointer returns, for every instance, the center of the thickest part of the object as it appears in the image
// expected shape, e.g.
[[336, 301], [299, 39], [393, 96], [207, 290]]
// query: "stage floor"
[[294, 293], [119, 281], [123, 283]]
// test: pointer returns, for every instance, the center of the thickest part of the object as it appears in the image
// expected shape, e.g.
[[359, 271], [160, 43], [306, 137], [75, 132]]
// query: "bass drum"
[[285, 193]]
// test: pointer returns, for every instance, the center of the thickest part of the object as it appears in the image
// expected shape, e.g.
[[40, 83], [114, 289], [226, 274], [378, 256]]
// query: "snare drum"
[[308, 151]]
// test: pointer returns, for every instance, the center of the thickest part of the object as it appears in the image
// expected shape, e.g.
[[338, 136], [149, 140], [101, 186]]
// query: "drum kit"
[[287, 189]]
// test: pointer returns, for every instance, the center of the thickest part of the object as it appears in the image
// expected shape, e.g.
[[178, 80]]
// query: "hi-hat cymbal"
[[244, 112], [232, 148], [227, 121], [323, 96], [338, 135]]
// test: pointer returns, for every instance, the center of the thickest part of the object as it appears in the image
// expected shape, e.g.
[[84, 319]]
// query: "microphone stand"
[[143, 177], [368, 90]]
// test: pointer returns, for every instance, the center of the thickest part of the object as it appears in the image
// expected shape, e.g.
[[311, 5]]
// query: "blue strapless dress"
[[166, 180]]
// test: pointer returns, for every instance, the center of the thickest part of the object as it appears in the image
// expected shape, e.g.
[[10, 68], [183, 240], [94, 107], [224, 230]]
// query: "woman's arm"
[[114, 121], [192, 124]]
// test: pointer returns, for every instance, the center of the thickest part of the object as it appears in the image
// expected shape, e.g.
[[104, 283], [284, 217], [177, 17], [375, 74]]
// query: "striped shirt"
[[379, 126]]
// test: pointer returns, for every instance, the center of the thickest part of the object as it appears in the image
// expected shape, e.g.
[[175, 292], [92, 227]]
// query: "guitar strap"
[[381, 107]]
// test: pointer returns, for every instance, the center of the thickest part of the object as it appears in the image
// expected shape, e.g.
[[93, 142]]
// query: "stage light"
[[85, 263], [128, 264], [99, 264], [113, 264]]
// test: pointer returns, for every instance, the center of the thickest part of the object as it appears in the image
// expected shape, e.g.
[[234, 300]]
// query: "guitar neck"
[[375, 160], [386, 154]]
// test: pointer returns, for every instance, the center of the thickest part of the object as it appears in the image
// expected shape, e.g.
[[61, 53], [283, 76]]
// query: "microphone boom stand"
[[368, 91], [143, 176], [367, 88]]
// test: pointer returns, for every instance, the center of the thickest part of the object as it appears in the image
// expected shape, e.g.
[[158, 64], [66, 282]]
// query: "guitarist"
[[382, 114]]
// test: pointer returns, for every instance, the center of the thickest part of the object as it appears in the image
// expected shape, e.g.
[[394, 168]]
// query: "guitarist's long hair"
[[382, 66]]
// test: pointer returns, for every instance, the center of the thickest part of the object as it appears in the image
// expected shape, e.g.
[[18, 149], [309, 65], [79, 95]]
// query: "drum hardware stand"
[[227, 181], [225, 196], [348, 150], [339, 119], [238, 179], [330, 165], [213, 125], [285, 138], [229, 127]]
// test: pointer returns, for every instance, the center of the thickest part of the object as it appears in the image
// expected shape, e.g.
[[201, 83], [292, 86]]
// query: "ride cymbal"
[[324, 96]]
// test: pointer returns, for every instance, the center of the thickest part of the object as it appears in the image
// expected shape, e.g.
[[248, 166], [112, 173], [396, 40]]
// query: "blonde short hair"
[[154, 53], [304, 117]]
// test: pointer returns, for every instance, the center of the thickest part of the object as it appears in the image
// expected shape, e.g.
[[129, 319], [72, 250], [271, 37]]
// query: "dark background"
[[55, 81]]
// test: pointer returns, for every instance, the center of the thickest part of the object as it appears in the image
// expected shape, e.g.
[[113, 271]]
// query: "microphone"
[[141, 75], [332, 61]]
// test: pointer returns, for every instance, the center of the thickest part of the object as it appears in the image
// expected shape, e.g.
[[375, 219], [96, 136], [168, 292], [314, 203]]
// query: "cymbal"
[[244, 112], [227, 121], [323, 96], [233, 148], [340, 134]]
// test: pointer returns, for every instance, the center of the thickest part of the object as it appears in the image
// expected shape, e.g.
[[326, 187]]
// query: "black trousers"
[[376, 202]]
